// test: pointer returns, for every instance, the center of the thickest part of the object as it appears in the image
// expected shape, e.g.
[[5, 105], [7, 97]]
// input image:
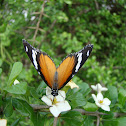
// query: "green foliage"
[[77, 100], [88, 121], [66, 27], [90, 107], [17, 89], [15, 123], [75, 120], [8, 108], [17, 68]]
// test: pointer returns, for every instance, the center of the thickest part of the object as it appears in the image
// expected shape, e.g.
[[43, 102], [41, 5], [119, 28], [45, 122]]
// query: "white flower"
[[58, 103], [102, 102], [72, 85], [16, 82], [3, 122], [99, 88]]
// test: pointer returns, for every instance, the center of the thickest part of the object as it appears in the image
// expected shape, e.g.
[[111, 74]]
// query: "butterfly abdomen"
[[55, 83]]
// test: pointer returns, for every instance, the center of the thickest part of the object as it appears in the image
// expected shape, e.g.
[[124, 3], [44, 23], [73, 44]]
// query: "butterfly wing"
[[71, 64], [42, 63]]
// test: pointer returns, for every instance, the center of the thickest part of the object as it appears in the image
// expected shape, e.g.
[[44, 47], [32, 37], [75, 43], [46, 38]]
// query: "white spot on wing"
[[34, 53], [26, 48], [88, 53], [73, 75], [79, 55], [38, 72]]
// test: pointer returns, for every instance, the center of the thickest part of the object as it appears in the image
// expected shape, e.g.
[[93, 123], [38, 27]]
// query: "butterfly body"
[[57, 78]]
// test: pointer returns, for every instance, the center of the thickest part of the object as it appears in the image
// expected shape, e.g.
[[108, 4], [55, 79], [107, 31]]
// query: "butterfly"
[[57, 77]]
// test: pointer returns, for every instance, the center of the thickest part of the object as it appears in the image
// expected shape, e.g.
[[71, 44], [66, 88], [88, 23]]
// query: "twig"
[[37, 26], [82, 12], [97, 7], [36, 13], [82, 111], [96, 4], [52, 25], [98, 120], [116, 114], [89, 113], [38, 107], [55, 121]]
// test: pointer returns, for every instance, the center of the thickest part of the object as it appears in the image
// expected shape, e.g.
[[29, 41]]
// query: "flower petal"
[[51, 97], [62, 93], [99, 96], [16, 82], [48, 91], [54, 111], [63, 106], [105, 107], [99, 88], [46, 100], [98, 104], [104, 89], [3, 122], [94, 97], [106, 101], [59, 98], [94, 87], [72, 84]]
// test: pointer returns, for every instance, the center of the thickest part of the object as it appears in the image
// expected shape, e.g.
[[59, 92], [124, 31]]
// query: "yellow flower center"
[[101, 101], [54, 101]]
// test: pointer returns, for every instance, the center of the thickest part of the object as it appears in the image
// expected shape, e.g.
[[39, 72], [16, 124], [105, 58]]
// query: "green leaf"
[[0, 70], [25, 109], [68, 2], [122, 96], [116, 122], [111, 122], [108, 115], [15, 123], [8, 108], [76, 99], [1, 101], [90, 107], [122, 121], [17, 68], [73, 118], [84, 88], [41, 88], [1, 61], [33, 92], [17, 89], [88, 121], [37, 119], [112, 94], [22, 106]]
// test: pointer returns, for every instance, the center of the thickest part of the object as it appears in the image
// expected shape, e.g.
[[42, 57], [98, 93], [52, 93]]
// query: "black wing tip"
[[89, 45], [24, 41]]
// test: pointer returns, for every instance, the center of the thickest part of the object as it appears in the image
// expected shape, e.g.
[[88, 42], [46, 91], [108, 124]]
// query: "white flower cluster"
[[3, 122], [100, 101], [57, 104]]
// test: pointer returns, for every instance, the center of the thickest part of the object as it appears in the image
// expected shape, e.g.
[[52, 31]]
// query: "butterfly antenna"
[[61, 96]]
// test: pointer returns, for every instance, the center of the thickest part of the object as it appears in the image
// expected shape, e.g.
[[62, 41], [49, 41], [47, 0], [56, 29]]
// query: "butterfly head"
[[54, 92]]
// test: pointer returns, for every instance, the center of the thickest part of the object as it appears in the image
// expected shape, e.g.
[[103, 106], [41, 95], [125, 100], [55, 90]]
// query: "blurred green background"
[[66, 26]]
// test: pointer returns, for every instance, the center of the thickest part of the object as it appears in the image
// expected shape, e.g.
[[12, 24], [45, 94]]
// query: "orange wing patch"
[[48, 68], [65, 70]]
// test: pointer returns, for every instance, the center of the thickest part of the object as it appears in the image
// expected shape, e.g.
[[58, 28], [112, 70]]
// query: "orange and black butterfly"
[[57, 78]]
